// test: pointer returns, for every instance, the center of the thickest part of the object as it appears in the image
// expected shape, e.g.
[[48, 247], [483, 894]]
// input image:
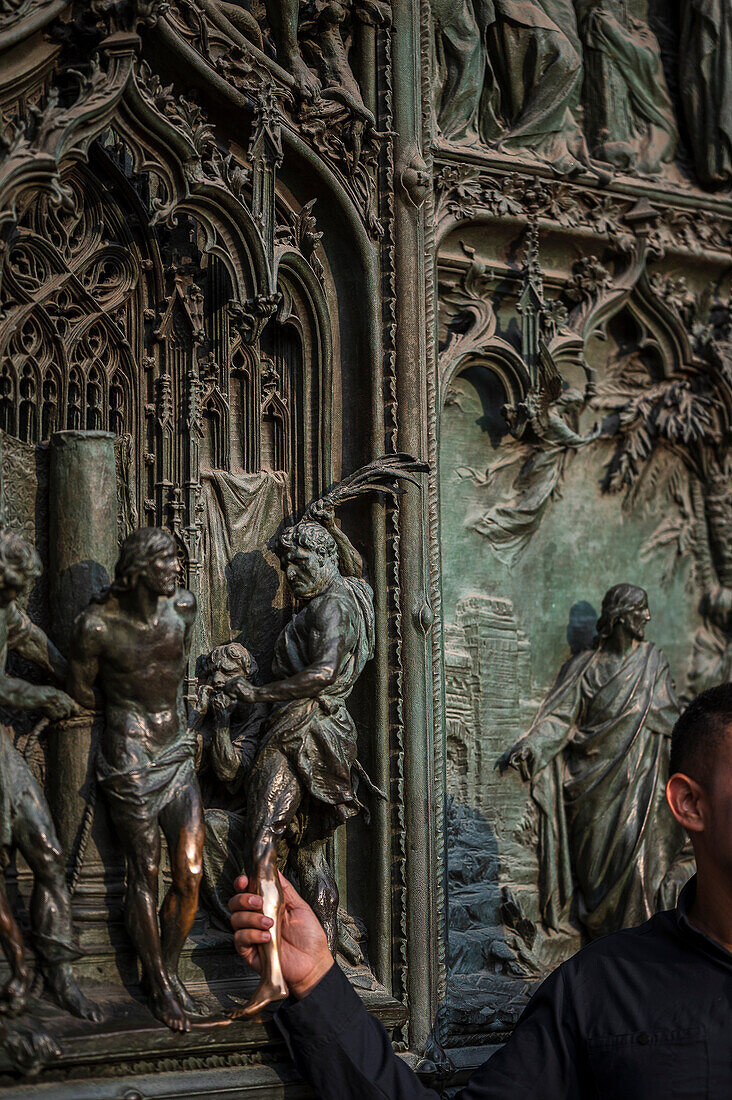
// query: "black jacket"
[[642, 1014]]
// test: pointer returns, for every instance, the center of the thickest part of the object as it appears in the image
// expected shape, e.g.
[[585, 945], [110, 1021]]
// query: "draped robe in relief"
[[706, 85], [534, 78], [625, 73], [599, 767], [510, 525], [318, 735], [224, 796], [460, 68], [510, 72]]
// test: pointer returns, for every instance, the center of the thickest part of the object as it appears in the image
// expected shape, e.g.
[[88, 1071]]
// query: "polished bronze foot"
[[266, 993]]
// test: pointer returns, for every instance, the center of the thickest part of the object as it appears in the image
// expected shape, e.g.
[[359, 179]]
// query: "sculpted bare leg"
[[275, 798], [50, 906], [13, 996], [265, 882], [284, 17], [183, 824], [142, 851]]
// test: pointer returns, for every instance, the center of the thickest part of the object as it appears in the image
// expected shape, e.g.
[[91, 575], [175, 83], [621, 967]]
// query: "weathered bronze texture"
[[597, 757], [25, 820], [244, 250], [128, 654], [229, 734], [306, 764], [705, 78]]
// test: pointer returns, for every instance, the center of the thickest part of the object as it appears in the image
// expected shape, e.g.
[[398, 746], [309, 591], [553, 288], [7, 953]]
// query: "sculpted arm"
[[185, 605], [21, 695], [350, 562], [552, 729], [331, 636], [349, 559], [39, 649], [24, 638], [87, 641]]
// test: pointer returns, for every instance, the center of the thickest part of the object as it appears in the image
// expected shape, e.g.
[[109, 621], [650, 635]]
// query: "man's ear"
[[686, 801]]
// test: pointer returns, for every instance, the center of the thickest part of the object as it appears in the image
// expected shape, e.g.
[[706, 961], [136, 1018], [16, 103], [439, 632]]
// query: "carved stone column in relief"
[[83, 550]]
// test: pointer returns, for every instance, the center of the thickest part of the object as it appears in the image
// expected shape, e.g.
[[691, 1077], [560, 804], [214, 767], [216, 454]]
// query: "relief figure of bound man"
[[129, 656]]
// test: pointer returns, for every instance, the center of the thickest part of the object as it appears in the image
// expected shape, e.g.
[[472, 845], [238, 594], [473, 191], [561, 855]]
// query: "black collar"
[[700, 940]]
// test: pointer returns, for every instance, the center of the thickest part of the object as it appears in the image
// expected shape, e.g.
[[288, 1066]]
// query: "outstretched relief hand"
[[519, 757], [304, 952], [238, 687]]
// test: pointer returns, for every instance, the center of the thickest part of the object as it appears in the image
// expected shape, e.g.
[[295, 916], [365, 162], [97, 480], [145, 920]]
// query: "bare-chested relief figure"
[[129, 654]]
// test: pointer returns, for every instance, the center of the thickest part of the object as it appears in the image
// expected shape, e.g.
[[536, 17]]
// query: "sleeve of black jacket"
[[344, 1052]]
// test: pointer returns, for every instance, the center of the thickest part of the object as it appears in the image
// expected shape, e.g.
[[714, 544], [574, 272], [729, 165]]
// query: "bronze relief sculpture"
[[597, 756], [25, 820], [307, 760], [163, 277], [630, 114], [229, 733], [129, 654], [705, 66], [304, 779]]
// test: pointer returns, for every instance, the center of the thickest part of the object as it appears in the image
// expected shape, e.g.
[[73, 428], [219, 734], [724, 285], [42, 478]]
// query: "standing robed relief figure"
[[597, 759]]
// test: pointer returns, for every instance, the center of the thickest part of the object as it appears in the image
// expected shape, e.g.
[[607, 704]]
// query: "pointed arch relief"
[[305, 334], [215, 442]]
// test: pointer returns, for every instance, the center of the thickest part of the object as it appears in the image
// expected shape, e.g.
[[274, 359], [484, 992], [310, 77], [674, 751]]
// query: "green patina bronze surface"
[[246, 250]]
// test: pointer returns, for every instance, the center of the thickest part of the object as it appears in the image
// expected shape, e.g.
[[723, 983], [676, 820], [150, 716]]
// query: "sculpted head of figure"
[[19, 565], [309, 557], [225, 661], [148, 556], [624, 605]]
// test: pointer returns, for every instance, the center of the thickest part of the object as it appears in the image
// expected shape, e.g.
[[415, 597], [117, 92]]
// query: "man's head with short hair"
[[699, 789], [699, 733], [19, 565], [309, 536], [309, 557], [230, 659]]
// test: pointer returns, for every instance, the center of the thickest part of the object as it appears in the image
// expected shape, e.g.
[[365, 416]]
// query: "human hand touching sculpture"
[[130, 650], [302, 785], [304, 951], [25, 819]]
